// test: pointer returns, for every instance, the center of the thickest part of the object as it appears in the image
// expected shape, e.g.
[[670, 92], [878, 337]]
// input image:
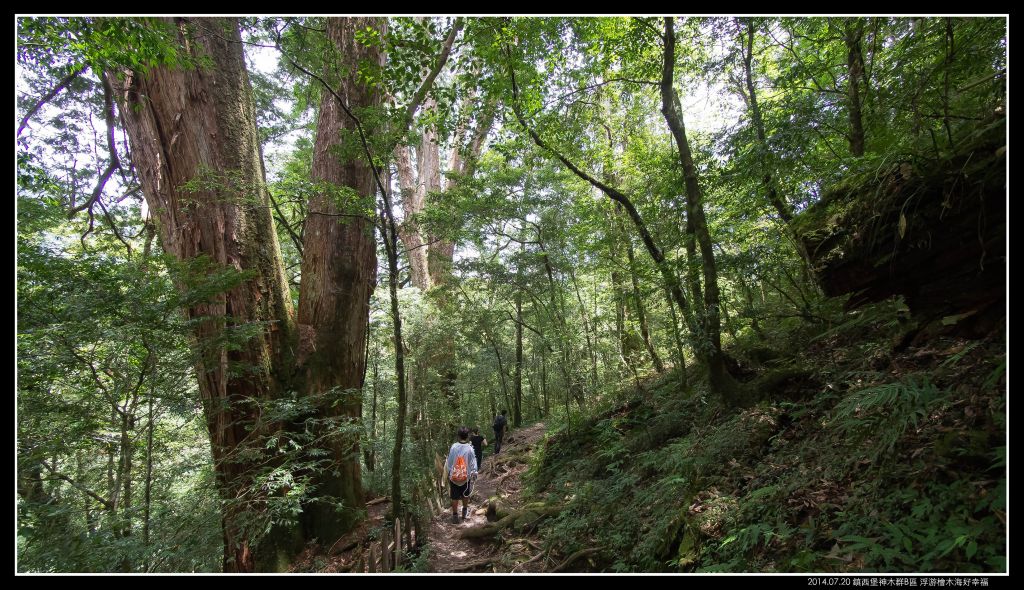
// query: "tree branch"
[[428, 81], [106, 503], [64, 82], [115, 162], [287, 227]]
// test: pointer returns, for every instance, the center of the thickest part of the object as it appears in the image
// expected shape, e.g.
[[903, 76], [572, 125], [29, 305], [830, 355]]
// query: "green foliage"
[[882, 477], [96, 348], [872, 462], [881, 414], [101, 43]]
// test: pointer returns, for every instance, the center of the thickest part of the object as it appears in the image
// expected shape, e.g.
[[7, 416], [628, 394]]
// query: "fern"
[[956, 357], [883, 412], [995, 374], [885, 313]]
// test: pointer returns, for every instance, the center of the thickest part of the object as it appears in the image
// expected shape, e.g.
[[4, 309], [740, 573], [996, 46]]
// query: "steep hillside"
[[878, 461]]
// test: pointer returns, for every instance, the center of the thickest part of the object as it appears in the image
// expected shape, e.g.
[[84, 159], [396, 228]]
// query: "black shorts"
[[458, 492]]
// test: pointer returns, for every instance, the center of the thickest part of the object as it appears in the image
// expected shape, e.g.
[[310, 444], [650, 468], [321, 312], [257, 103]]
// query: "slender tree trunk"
[[517, 413], [494, 404], [195, 146], [125, 476], [587, 329], [667, 273], [641, 316], [148, 493], [566, 367], [781, 207], [680, 357], [501, 370], [721, 380], [729, 324], [390, 236], [769, 181], [749, 298], [620, 312], [949, 50], [853, 34], [544, 383], [370, 454], [619, 291]]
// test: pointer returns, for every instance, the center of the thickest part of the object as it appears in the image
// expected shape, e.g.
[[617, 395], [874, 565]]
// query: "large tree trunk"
[[416, 247], [197, 125], [339, 269]]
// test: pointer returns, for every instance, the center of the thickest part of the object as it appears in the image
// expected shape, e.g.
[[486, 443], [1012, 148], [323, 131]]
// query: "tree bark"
[[416, 247], [517, 413], [720, 378], [853, 30], [198, 125], [769, 181], [641, 316], [339, 270]]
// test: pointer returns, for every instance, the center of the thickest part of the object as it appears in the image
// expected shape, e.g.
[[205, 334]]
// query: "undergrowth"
[[895, 463]]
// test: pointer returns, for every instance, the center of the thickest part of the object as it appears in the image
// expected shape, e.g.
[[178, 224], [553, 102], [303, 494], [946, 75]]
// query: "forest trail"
[[500, 478]]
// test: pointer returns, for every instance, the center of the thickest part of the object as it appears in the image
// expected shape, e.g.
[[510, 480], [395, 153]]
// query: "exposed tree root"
[[520, 520], [574, 557]]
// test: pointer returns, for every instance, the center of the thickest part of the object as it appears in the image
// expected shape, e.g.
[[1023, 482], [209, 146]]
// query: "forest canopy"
[[267, 267]]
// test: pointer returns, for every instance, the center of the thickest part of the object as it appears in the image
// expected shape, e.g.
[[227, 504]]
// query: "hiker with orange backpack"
[[461, 469]]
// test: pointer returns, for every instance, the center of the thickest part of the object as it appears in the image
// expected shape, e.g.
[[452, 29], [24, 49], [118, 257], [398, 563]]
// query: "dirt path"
[[500, 479]]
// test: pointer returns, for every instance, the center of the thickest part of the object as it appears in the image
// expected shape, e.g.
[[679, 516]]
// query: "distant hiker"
[[478, 442], [461, 469], [500, 422]]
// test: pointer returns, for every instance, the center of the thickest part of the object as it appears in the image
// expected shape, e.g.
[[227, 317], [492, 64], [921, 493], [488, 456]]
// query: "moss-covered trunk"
[[195, 147], [339, 271]]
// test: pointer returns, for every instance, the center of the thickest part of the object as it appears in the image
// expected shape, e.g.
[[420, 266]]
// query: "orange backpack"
[[459, 474]]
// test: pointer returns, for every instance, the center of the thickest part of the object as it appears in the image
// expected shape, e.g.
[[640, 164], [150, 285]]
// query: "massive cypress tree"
[[339, 271], [195, 147]]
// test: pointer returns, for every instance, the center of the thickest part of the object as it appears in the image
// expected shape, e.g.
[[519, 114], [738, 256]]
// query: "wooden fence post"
[[398, 542]]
